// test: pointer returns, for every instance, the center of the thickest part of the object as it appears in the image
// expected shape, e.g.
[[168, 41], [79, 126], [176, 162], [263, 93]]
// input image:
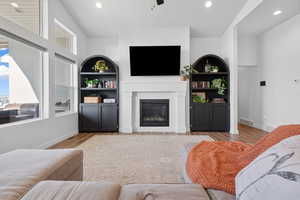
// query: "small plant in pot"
[[199, 99], [91, 83], [186, 72], [220, 84], [101, 66], [214, 69]]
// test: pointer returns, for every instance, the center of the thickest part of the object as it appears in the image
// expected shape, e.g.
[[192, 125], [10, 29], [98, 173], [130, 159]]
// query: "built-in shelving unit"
[[209, 115], [101, 116]]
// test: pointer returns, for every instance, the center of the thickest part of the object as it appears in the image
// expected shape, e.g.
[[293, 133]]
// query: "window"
[[24, 13], [64, 37], [64, 86], [20, 81]]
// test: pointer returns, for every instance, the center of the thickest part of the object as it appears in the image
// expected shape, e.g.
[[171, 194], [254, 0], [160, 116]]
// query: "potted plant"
[[186, 72], [91, 83], [199, 99], [214, 69], [220, 84], [101, 66]]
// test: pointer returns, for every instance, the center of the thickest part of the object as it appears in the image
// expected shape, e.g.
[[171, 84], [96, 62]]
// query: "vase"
[[183, 78], [90, 86]]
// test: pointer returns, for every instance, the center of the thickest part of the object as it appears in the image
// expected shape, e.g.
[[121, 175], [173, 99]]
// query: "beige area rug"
[[129, 159]]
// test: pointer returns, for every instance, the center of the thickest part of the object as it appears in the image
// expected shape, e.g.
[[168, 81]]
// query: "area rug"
[[127, 159]]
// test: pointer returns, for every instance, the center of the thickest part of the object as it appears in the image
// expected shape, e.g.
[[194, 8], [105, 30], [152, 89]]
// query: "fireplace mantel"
[[133, 92]]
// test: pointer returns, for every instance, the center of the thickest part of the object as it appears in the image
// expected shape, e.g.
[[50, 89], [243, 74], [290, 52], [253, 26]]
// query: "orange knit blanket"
[[215, 164]]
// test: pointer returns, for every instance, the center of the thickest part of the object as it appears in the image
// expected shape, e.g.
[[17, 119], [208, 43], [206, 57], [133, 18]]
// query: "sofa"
[[58, 174], [21, 170]]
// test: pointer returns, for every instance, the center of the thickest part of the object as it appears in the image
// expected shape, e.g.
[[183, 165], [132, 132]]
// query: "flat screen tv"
[[155, 60]]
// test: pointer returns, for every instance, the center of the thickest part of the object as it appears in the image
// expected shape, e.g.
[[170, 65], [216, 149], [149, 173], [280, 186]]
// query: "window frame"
[[73, 74], [74, 36], [42, 52], [41, 13], [44, 42]]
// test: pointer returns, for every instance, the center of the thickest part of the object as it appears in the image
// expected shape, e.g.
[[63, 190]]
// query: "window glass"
[[20, 81], [64, 37], [25, 13], [64, 86]]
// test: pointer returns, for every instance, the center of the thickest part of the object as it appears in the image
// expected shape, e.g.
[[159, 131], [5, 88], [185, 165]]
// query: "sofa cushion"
[[275, 174], [219, 195], [62, 190], [163, 192], [22, 169]]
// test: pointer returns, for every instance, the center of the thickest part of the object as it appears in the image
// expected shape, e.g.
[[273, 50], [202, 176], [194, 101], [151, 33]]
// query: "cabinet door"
[[201, 117], [109, 115], [220, 117], [89, 117]]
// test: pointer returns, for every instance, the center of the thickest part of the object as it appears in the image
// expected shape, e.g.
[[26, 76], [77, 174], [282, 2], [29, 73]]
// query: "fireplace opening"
[[154, 112]]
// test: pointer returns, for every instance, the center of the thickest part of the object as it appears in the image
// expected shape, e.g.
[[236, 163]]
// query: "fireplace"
[[154, 112]]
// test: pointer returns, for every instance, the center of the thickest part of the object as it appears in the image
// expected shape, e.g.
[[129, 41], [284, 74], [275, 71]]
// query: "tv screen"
[[155, 60]]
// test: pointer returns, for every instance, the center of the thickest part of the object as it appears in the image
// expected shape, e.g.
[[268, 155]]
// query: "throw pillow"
[[275, 174]]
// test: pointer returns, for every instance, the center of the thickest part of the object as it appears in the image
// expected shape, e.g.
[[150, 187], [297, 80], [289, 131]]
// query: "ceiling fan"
[[157, 3]]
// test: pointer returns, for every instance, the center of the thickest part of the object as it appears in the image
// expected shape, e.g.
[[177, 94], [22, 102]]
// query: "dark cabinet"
[[201, 117], [98, 117], [109, 115], [89, 117], [209, 117], [220, 117]]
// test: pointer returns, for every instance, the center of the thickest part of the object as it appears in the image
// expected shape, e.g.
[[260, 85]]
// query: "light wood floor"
[[247, 134]]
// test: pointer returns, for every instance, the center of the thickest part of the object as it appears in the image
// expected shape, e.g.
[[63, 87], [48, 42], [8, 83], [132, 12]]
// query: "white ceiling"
[[117, 15], [28, 17], [262, 18]]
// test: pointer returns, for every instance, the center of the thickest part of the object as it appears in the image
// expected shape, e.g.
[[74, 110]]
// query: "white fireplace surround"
[[133, 92]]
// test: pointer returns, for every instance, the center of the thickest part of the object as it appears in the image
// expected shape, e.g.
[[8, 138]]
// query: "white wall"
[[249, 91], [104, 46], [250, 98], [247, 50], [229, 51], [276, 62], [46, 132], [280, 49], [204, 46], [152, 37]]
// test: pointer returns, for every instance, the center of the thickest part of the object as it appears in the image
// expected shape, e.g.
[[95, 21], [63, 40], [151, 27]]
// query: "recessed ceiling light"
[[99, 5], [208, 4], [277, 12], [14, 4]]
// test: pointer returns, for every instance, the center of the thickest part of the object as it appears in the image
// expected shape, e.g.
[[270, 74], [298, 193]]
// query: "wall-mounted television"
[[155, 60]]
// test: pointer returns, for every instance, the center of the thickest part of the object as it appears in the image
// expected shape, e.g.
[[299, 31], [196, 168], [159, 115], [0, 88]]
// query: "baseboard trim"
[[56, 141], [234, 132]]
